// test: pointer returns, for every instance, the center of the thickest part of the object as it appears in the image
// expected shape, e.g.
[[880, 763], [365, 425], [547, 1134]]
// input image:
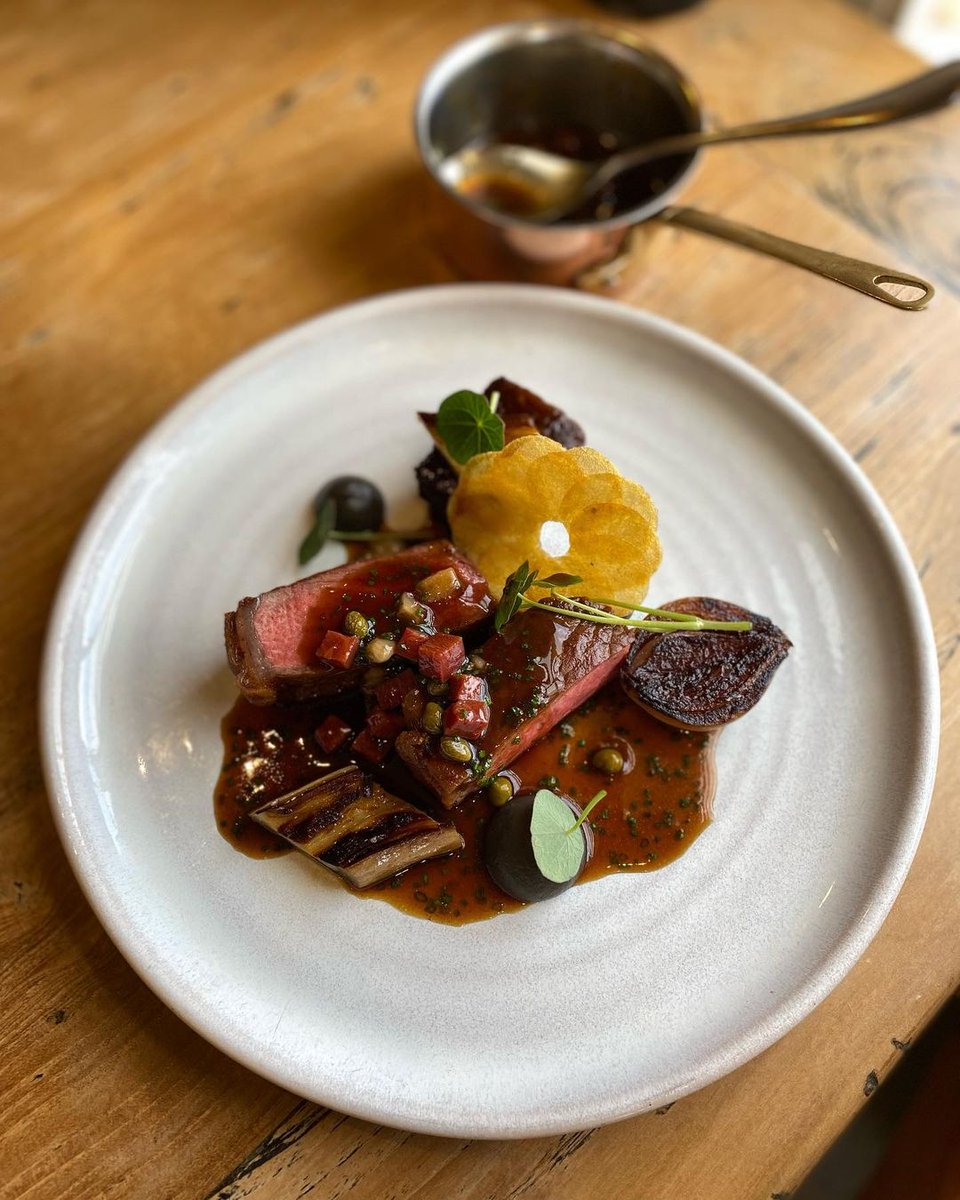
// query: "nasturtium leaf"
[[467, 425], [513, 590], [559, 580], [315, 540], [557, 847]]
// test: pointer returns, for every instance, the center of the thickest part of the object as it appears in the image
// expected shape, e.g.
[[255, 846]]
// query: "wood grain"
[[178, 181]]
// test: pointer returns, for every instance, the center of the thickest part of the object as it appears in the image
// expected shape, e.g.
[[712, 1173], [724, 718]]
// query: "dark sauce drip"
[[650, 815], [267, 752], [507, 194]]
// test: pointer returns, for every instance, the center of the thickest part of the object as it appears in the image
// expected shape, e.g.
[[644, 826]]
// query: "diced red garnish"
[[338, 649], [468, 718], [391, 692], [384, 726], [369, 747], [410, 642], [440, 655], [468, 687], [332, 733]]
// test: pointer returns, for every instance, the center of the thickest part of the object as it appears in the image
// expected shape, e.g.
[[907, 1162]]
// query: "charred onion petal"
[[356, 828], [704, 680]]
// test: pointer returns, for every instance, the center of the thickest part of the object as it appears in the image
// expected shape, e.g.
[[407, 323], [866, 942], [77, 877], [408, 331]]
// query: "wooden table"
[[179, 180]]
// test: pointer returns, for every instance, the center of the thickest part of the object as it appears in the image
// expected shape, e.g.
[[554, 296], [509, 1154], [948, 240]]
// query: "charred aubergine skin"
[[521, 411], [704, 680], [351, 825]]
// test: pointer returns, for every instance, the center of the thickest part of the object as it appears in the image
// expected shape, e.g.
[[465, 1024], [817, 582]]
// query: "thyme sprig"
[[321, 533], [515, 599]]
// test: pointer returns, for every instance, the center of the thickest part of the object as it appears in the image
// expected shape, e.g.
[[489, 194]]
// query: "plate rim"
[[151, 968]]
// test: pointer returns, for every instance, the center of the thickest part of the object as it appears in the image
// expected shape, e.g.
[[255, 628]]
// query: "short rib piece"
[[521, 411]]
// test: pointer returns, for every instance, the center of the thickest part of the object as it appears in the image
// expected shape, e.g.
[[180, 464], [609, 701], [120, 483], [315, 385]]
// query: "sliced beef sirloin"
[[522, 411], [539, 668], [273, 640]]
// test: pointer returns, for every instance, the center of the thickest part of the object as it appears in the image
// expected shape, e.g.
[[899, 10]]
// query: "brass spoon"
[[560, 185]]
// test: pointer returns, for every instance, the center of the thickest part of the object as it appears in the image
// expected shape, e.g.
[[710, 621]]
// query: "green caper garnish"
[[608, 760], [379, 650], [436, 688], [356, 624], [432, 719], [456, 748], [500, 790]]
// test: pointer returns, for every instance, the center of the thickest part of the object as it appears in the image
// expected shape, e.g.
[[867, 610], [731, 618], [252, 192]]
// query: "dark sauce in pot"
[[652, 811], [509, 194]]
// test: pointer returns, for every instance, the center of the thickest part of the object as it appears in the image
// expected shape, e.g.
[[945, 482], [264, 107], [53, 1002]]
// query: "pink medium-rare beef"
[[539, 668], [272, 640]]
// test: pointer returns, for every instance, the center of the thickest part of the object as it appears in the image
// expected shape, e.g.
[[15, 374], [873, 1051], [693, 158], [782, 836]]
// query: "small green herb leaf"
[[468, 425], [513, 591], [557, 845], [316, 539], [559, 580], [383, 535]]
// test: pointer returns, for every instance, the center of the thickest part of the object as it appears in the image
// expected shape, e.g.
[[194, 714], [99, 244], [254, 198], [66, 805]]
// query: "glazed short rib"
[[522, 411], [539, 668], [273, 640]]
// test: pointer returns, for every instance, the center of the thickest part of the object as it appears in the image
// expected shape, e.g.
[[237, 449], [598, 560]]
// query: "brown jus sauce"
[[506, 193], [652, 811]]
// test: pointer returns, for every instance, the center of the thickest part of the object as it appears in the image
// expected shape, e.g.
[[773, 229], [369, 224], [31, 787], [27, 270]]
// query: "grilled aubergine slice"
[[356, 828]]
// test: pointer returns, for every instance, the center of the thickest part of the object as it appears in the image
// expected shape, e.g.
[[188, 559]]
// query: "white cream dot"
[[554, 539]]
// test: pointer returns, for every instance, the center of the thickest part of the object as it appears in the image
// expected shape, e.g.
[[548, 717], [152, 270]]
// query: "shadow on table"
[[376, 237], [902, 1144]]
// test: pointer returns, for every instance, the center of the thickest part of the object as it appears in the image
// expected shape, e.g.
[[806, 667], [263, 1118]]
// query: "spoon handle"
[[922, 94], [864, 276]]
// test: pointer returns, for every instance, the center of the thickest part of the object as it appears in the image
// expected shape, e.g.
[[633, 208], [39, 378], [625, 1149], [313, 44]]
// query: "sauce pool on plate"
[[652, 812]]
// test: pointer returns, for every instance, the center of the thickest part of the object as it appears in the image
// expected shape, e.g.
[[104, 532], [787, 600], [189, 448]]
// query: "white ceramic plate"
[[621, 995]]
